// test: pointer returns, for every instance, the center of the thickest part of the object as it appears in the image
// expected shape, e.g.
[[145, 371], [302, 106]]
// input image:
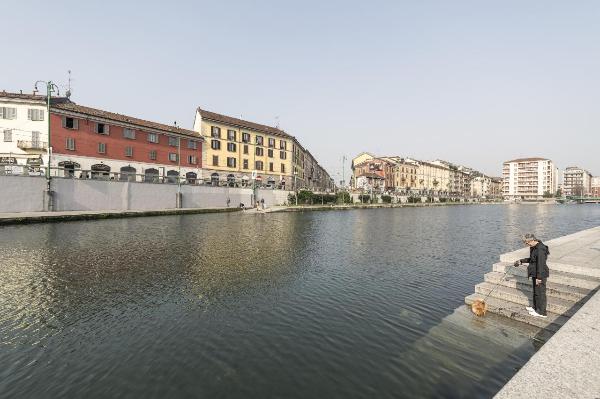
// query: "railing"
[[32, 145], [125, 176]]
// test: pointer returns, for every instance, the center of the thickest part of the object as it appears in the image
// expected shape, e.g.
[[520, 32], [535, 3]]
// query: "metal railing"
[[32, 145]]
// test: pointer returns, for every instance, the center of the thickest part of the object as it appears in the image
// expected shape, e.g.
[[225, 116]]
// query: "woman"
[[538, 270]]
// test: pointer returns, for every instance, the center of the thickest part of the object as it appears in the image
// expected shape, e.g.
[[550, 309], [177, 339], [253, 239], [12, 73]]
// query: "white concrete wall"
[[22, 194], [26, 194]]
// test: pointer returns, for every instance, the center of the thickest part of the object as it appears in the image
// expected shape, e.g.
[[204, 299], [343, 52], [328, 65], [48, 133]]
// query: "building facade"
[[241, 152], [92, 143], [406, 173], [576, 182], [375, 166], [433, 178], [24, 129], [529, 179], [595, 187]]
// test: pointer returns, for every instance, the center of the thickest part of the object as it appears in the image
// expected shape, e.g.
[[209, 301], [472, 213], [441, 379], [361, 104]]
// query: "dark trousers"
[[539, 296]]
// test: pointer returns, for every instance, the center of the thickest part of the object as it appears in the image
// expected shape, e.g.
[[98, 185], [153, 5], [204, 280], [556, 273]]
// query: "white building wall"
[[22, 129]]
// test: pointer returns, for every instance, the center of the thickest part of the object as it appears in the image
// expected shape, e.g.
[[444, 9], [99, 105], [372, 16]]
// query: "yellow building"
[[235, 151]]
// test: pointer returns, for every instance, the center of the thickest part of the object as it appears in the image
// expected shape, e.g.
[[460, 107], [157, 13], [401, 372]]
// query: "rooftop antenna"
[[68, 92], [277, 122]]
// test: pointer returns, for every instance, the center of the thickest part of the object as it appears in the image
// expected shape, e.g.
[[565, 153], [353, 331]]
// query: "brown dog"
[[479, 307]]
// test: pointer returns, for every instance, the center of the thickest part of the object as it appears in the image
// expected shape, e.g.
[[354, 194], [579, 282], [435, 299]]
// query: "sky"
[[472, 82]]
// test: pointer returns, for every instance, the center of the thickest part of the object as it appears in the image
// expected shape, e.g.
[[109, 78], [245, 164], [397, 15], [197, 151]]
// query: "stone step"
[[517, 312], [559, 277], [554, 305], [553, 289]]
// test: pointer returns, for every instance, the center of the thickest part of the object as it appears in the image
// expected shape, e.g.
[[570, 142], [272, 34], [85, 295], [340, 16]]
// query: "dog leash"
[[498, 283]]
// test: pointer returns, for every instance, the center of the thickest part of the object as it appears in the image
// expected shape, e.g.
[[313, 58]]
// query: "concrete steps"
[[523, 297], [566, 292], [558, 277], [562, 291], [517, 312]]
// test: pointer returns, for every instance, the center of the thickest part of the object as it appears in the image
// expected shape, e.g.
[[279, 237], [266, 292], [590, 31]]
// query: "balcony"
[[32, 145]]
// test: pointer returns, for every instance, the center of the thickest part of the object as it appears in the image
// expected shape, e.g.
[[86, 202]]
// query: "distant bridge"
[[584, 200]]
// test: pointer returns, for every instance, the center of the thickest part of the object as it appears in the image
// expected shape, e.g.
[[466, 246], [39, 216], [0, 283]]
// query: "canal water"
[[354, 304]]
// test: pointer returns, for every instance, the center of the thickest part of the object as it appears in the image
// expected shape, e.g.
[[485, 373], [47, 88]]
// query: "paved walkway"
[[568, 365]]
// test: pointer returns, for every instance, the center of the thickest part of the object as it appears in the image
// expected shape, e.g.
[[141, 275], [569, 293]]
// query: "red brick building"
[[91, 143]]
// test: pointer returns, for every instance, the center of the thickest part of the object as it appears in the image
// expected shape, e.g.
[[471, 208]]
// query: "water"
[[364, 303]]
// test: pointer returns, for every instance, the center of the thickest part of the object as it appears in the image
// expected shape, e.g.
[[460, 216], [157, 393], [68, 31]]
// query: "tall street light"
[[50, 88]]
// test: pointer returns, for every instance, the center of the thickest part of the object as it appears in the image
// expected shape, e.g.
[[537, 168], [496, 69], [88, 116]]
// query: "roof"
[[228, 120], [370, 175], [93, 112], [528, 159], [30, 97]]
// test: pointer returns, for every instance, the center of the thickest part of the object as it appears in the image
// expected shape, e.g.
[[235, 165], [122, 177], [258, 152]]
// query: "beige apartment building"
[[433, 178], [529, 179], [576, 181], [238, 152], [405, 175]]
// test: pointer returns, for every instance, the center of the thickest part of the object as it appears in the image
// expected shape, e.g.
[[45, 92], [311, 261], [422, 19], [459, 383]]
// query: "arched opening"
[[151, 175], [245, 181], [127, 173], [214, 179], [172, 176], [231, 180], [271, 182], [68, 168], [100, 171], [191, 177]]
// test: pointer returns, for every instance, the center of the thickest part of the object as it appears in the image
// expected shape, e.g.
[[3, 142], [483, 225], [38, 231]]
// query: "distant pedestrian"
[[262, 203], [538, 270], [228, 202]]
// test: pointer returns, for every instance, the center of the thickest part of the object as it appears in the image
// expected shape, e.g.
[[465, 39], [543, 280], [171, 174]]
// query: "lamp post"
[[50, 88], [296, 187]]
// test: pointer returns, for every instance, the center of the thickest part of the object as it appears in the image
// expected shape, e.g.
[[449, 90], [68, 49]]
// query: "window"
[[272, 143], [271, 167], [215, 160], [245, 163], [152, 137], [35, 114], [192, 144], [192, 160], [282, 168], [260, 151], [270, 153], [231, 162], [70, 145], [215, 144], [259, 140], [258, 165], [129, 133], [70, 123], [128, 151], [245, 148], [152, 155], [282, 145], [173, 157], [231, 135], [8, 135], [101, 128], [8, 113], [101, 148], [173, 141], [282, 155], [215, 132], [231, 147], [246, 137]]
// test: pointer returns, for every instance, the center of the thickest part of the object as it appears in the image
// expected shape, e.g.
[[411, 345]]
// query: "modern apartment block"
[[576, 181], [240, 151], [595, 187], [529, 179]]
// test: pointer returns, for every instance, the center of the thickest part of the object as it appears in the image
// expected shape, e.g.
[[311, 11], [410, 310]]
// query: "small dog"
[[479, 307]]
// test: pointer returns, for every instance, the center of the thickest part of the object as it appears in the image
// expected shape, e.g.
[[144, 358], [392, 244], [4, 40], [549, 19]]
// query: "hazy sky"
[[473, 82]]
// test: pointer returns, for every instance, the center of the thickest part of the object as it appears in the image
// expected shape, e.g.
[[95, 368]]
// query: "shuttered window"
[[128, 151], [70, 144], [101, 128], [231, 162], [192, 144], [70, 123], [35, 114], [129, 133], [173, 141], [192, 160], [231, 147], [172, 157], [153, 137], [8, 113], [101, 148], [8, 135], [153, 155]]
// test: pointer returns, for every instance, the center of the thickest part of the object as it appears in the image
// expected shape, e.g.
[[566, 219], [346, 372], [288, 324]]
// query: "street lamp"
[[296, 186], [50, 88]]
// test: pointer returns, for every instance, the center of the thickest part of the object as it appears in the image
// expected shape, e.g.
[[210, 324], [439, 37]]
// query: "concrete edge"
[[50, 218]]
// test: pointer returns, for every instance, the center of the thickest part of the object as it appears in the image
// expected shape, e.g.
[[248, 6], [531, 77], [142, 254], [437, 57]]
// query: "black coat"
[[537, 267]]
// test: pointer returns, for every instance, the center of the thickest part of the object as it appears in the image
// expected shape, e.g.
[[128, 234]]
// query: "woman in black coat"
[[538, 270]]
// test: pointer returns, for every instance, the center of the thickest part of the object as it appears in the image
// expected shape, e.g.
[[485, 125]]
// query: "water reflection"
[[330, 304]]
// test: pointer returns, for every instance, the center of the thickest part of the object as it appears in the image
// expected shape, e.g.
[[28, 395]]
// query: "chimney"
[[21, 91]]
